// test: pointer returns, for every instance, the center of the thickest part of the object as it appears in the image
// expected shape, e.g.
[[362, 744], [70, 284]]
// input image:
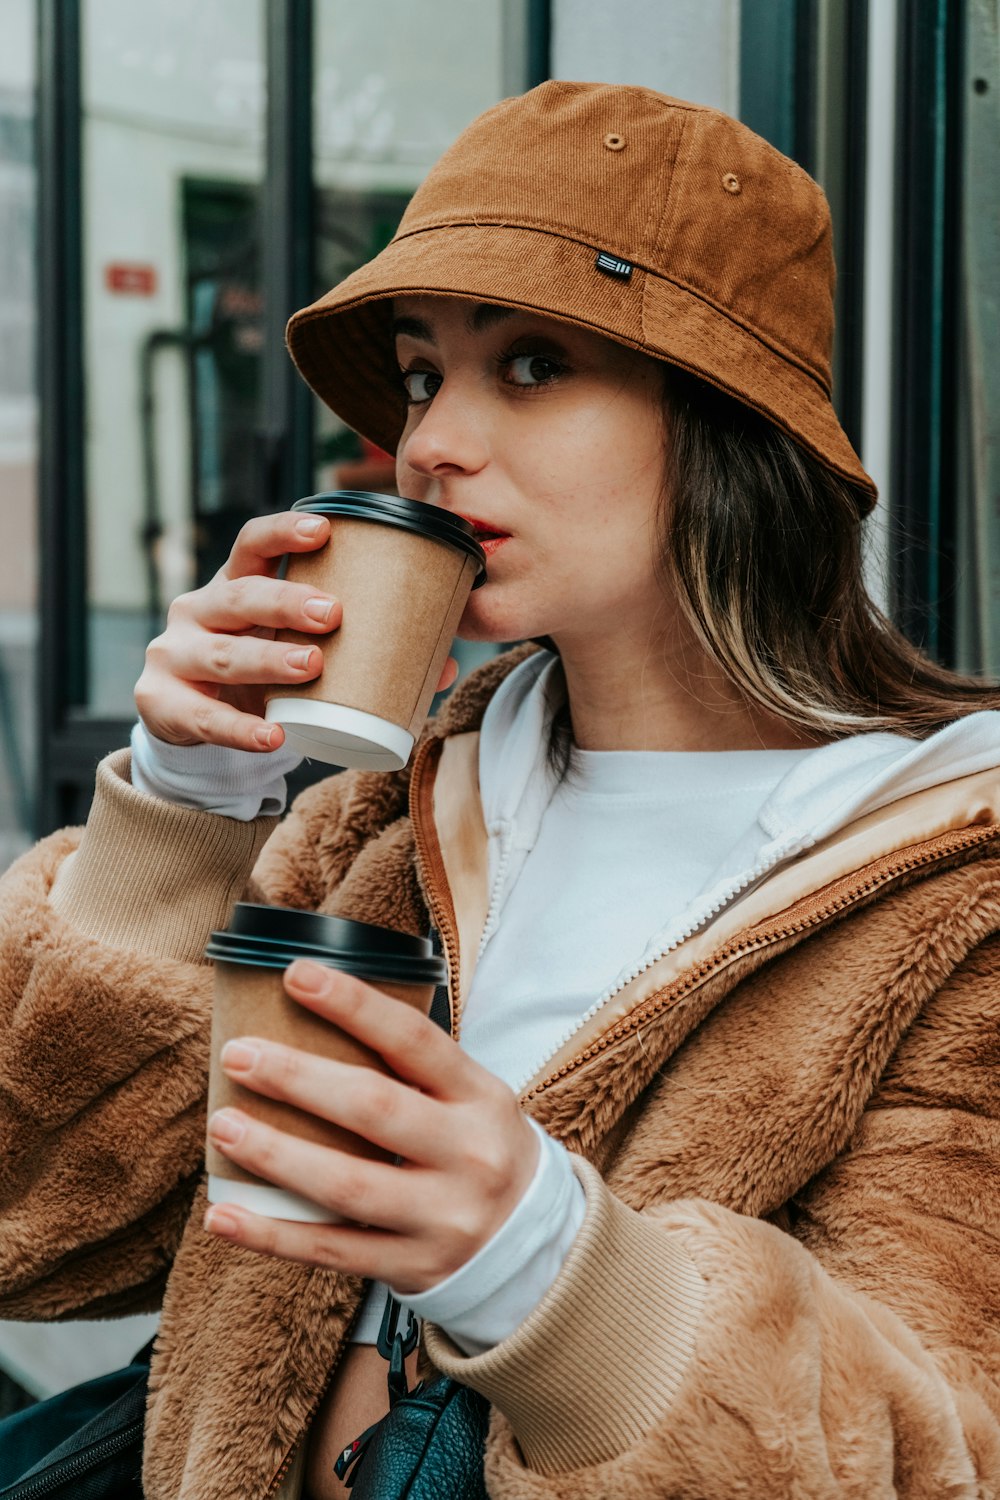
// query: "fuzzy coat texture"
[[813, 1128]]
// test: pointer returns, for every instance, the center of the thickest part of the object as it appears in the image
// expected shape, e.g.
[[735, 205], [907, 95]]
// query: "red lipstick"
[[488, 536]]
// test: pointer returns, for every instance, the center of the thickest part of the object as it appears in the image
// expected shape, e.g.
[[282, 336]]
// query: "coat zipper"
[[880, 872], [739, 888], [506, 836], [286, 1462], [431, 865]]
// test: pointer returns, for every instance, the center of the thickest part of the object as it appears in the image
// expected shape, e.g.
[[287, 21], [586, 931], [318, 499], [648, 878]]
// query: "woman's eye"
[[531, 369], [420, 385]]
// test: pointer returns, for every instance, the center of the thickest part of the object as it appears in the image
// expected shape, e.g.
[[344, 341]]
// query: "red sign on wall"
[[130, 277]]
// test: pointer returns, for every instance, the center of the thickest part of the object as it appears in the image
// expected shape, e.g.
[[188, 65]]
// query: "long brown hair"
[[763, 545]]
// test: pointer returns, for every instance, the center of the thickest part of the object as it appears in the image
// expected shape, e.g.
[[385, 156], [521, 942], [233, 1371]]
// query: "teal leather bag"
[[430, 1444]]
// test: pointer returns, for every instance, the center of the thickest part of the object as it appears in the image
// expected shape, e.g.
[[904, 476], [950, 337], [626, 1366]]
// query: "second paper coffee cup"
[[403, 572], [250, 958]]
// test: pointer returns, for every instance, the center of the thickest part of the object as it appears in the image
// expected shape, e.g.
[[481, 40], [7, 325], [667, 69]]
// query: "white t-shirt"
[[627, 839]]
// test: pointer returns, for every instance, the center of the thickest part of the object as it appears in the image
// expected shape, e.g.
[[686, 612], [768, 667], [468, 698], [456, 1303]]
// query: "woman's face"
[[551, 439]]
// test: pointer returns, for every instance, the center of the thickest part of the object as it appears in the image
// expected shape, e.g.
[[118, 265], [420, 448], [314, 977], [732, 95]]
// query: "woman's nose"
[[446, 438]]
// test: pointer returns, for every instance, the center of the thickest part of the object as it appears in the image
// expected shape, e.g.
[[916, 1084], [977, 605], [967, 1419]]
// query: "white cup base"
[[271, 1202], [339, 735]]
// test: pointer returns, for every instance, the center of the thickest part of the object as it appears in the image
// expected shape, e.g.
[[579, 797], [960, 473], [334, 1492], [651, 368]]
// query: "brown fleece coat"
[[788, 1280]]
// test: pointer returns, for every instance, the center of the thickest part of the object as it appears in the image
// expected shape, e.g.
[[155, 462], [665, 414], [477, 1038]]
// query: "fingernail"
[[306, 976], [299, 659], [318, 609], [309, 525], [226, 1127], [238, 1057], [265, 736], [217, 1221]]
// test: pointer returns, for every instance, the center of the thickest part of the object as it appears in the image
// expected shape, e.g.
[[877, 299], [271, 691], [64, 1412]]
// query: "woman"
[[704, 1200]]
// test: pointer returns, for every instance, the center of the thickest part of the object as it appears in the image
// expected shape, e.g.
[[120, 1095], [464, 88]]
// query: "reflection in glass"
[[389, 98], [18, 441], [392, 92], [173, 95]]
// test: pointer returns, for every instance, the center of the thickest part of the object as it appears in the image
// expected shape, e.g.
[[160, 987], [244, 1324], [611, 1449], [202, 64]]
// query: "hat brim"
[[342, 347]]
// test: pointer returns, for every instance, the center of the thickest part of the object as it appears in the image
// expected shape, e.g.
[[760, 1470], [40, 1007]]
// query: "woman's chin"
[[487, 619]]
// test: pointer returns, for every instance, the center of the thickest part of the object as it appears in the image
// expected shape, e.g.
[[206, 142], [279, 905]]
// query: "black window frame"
[[71, 739]]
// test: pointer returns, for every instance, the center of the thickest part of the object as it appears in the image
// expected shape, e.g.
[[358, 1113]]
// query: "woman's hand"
[[468, 1153], [204, 677]]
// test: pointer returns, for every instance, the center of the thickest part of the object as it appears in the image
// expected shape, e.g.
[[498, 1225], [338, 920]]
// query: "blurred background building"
[[176, 177]]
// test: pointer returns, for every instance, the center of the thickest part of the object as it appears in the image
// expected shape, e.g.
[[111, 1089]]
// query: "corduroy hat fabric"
[[666, 226]]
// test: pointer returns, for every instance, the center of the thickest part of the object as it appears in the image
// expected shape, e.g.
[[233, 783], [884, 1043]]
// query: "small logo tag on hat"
[[612, 266]]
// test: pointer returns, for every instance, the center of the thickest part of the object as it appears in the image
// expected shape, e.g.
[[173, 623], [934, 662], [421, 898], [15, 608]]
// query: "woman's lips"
[[490, 544], [488, 536], [482, 528]]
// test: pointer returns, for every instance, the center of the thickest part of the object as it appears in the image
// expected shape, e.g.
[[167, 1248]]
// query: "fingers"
[[410, 1043], [219, 641], [196, 656], [185, 713], [263, 541], [204, 678], [382, 1110], [405, 1225], [356, 1188], [185, 716], [468, 1151], [255, 602], [361, 1252]]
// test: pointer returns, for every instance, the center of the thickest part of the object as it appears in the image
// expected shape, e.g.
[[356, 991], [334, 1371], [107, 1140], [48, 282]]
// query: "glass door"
[[18, 430], [209, 166], [172, 115]]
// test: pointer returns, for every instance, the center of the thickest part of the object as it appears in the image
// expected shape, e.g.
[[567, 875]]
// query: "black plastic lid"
[[410, 515], [272, 937]]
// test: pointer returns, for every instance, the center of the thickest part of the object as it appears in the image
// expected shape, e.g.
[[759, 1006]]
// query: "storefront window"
[[18, 421], [173, 143], [388, 100], [978, 464], [174, 114]]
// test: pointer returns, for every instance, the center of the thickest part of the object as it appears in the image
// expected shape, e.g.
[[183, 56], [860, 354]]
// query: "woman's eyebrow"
[[485, 315], [414, 328]]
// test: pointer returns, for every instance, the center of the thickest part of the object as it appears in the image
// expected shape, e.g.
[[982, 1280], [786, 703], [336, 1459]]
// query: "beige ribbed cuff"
[[601, 1358], [152, 877]]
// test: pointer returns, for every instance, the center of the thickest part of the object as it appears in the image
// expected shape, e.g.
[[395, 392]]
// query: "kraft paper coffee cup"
[[250, 959], [403, 572]]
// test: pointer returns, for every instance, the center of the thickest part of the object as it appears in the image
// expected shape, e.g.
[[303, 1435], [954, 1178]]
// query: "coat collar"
[[873, 854]]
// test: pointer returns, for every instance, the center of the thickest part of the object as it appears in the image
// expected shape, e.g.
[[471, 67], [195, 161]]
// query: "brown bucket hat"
[[664, 225]]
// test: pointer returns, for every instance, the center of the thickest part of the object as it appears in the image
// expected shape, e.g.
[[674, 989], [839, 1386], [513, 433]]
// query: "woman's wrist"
[[485, 1300], [238, 784]]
